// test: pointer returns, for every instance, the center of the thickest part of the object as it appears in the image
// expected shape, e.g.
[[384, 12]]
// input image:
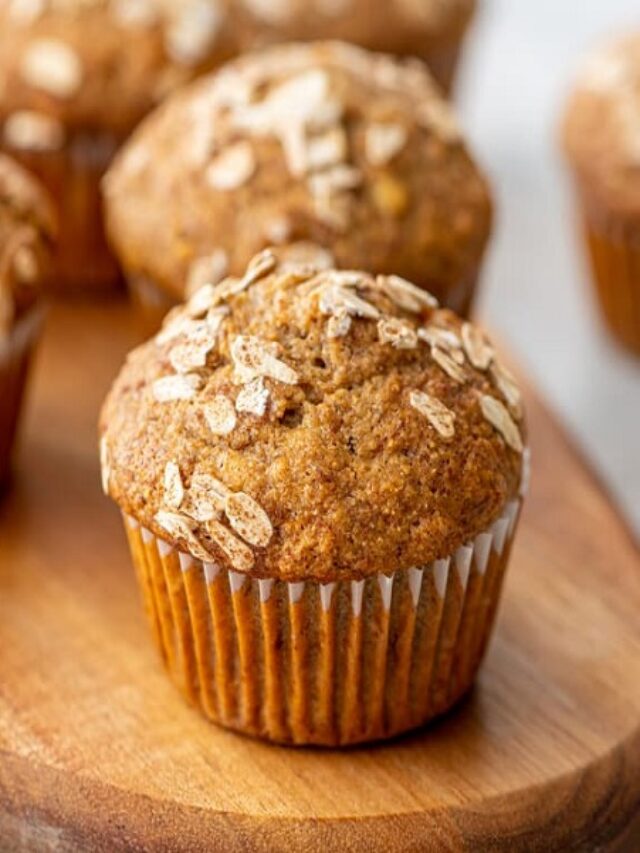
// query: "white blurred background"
[[537, 296]]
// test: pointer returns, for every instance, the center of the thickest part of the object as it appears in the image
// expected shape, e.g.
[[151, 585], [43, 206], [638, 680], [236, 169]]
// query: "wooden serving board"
[[98, 752]]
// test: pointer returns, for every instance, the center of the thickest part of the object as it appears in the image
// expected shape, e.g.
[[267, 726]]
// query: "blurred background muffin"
[[26, 233], [602, 143], [75, 78], [321, 476], [434, 30], [323, 148]]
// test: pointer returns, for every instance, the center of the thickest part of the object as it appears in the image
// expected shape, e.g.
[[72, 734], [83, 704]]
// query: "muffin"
[[602, 142], [26, 232], [320, 474], [433, 30], [346, 157], [75, 78]]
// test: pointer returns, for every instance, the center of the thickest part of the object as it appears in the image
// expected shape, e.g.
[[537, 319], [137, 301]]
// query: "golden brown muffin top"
[[602, 126], [97, 64], [322, 144], [27, 226], [298, 424]]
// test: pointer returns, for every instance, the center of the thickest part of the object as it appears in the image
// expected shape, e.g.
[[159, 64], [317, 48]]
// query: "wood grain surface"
[[99, 753]]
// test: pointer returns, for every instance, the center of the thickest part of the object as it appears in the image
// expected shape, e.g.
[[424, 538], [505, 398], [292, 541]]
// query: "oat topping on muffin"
[[105, 63], [76, 76], [323, 146], [53, 67], [281, 447], [187, 27], [31, 131], [440, 417]]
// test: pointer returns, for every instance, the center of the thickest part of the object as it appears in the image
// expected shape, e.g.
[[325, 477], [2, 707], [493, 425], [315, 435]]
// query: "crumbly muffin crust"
[[601, 128], [26, 229], [298, 424], [321, 144]]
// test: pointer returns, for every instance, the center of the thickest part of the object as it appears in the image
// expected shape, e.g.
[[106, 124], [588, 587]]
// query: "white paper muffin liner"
[[330, 664], [15, 355]]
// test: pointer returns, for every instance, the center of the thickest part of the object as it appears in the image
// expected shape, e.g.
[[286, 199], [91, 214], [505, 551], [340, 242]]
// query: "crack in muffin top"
[[354, 153], [298, 423]]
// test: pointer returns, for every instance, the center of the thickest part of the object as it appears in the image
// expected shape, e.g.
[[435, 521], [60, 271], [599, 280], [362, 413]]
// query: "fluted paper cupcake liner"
[[15, 357], [328, 664], [82, 262], [614, 249]]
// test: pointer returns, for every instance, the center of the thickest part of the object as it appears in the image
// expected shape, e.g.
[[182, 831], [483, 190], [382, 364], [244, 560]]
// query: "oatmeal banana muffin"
[[347, 157], [601, 135], [75, 77], [26, 233], [320, 474]]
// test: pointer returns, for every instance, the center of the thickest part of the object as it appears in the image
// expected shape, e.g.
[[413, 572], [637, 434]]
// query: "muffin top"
[[26, 230], [97, 64], [602, 126], [323, 146], [298, 424]]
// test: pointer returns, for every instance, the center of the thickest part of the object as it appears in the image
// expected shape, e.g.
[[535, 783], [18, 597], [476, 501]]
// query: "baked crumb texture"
[[304, 424], [321, 474]]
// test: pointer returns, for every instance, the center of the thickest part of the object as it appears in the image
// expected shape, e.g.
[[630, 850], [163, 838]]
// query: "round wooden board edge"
[[586, 809]]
